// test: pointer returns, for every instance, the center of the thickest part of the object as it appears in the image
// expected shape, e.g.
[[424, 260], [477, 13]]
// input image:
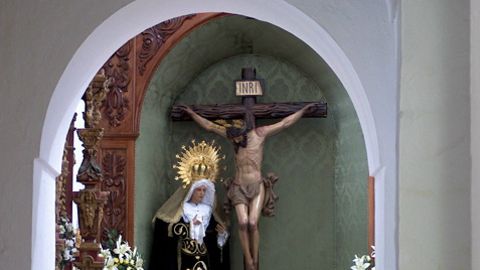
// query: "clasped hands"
[[219, 228]]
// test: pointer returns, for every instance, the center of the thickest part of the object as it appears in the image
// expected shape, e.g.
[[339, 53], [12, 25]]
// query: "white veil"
[[209, 197]]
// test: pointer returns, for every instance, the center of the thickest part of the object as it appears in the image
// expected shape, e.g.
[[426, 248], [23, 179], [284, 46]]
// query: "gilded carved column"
[[60, 209], [91, 199], [63, 206]]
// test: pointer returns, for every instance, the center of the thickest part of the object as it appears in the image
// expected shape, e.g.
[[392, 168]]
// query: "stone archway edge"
[[79, 72]]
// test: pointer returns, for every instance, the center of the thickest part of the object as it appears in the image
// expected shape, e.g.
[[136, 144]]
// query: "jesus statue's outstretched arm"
[[283, 124], [206, 124]]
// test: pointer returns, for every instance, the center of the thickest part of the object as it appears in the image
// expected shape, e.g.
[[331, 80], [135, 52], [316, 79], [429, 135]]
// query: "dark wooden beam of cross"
[[249, 88]]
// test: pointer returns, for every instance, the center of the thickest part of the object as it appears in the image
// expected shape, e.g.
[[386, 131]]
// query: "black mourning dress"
[[173, 249], [181, 252]]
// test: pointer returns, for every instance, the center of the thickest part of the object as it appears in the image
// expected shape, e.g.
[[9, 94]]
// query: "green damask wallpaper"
[[351, 174], [320, 221]]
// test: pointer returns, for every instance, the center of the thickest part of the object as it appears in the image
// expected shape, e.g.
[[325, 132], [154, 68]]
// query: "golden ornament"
[[198, 161]]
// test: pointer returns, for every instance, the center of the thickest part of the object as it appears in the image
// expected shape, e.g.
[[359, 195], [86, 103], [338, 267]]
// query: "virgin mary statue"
[[190, 230]]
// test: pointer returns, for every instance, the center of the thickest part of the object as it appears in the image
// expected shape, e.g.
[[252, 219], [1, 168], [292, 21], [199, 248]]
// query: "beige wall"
[[434, 161]]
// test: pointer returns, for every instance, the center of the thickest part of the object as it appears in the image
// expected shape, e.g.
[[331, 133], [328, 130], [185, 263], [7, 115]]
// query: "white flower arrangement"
[[67, 234], [366, 262], [122, 257]]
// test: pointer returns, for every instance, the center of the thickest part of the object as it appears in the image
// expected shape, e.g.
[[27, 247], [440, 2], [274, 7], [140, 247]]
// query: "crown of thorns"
[[236, 123]]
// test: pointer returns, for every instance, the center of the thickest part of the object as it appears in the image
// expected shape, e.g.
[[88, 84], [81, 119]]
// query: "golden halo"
[[200, 160]]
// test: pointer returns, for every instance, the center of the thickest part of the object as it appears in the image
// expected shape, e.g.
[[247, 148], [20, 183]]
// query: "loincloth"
[[245, 193]]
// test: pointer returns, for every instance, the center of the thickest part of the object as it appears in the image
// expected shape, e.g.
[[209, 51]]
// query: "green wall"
[[351, 185], [321, 216]]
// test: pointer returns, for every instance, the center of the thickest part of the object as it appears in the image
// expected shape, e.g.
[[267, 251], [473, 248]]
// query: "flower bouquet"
[[67, 234], [122, 257], [365, 262]]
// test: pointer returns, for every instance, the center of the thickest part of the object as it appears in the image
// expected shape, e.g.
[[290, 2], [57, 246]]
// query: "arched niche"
[[322, 163], [83, 66]]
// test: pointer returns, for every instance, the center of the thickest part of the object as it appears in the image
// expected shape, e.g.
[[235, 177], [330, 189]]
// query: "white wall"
[[39, 39], [434, 162], [475, 129]]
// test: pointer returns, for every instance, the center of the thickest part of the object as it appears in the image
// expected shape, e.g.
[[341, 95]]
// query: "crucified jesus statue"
[[247, 191]]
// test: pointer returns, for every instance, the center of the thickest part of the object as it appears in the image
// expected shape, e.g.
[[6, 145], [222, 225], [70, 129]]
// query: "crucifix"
[[249, 192], [249, 88]]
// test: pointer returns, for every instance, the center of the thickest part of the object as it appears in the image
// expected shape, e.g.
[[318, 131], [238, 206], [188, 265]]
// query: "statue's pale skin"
[[248, 162]]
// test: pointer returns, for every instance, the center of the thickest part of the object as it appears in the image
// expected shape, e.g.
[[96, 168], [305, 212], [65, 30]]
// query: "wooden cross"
[[248, 88]]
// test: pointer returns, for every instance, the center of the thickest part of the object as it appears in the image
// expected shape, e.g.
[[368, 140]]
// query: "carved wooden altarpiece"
[[130, 68]]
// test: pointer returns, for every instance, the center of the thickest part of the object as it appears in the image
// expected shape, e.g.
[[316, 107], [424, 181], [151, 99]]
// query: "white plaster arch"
[[392, 8], [115, 31]]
